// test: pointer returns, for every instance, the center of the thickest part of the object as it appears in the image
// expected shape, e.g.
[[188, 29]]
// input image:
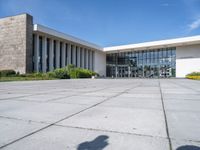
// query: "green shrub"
[[194, 74], [79, 72], [61, 73], [51, 74], [193, 77], [7, 73]]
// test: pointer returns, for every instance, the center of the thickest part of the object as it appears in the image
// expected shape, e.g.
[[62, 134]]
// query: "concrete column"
[[93, 60], [68, 53], [74, 55], [90, 60], [44, 54], [87, 59], [83, 58], [78, 57], [51, 55], [36, 53], [63, 54], [57, 54]]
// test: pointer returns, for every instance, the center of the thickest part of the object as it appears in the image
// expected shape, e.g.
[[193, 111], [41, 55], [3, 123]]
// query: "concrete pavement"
[[100, 114]]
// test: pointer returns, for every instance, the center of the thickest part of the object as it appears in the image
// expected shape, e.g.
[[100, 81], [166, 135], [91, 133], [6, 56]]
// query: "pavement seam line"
[[165, 117], [185, 86], [110, 131], [14, 141]]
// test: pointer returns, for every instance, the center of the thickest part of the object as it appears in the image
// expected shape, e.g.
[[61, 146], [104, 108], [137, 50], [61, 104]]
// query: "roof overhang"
[[51, 32], [140, 46], [156, 44]]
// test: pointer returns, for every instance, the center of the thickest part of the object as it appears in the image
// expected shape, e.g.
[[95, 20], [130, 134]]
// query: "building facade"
[[27, 47]]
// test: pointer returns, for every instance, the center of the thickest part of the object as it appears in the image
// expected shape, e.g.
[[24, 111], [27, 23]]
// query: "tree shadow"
[[188, 147], [99, 143]]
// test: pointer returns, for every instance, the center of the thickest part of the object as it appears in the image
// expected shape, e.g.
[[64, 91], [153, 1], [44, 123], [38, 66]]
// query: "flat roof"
[[46, 30], [139, 46], [156, 44]]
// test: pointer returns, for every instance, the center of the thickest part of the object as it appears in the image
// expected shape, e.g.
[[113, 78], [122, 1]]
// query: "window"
[[146, 63], [54, 54], [48, 49], [61, 53], [40, 54]]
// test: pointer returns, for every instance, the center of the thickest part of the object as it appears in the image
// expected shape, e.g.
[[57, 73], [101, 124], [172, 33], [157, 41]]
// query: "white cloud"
[[194, 25]]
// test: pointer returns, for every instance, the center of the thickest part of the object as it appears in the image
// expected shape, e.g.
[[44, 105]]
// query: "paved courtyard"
[[100, 114]]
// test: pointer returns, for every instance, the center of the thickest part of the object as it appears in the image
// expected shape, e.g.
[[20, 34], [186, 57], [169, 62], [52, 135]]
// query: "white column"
[[78, 57], [57, 54], [93, 54], [74, 55], [51, 55], [87, 59], [83, 60], [36, 53], [63, 54], [44, 54], [90, 60], [68, 53]]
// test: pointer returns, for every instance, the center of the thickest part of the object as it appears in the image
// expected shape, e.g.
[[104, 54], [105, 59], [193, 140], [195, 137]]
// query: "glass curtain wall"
[[159, 63]]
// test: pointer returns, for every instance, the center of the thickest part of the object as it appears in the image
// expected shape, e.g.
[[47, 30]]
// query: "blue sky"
[[112, 22]]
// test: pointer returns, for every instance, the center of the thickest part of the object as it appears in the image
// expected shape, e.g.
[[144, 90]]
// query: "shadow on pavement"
[[188, 147], [99, 143]]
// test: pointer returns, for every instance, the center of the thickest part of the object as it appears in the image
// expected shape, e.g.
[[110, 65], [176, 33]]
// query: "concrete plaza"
[[100, 114]]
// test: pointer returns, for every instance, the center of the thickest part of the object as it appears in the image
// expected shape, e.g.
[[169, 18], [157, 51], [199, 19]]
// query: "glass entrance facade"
[[157, 63]]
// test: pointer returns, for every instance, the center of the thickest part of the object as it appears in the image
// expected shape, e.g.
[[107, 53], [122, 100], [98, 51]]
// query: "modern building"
[[27, 47]]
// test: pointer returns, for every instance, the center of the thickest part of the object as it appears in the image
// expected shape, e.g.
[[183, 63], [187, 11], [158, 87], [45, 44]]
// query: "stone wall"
[[16, 43]]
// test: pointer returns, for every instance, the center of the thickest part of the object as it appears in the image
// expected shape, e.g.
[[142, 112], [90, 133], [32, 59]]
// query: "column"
[[78, 57], [83, 58], [57, 54], [116, 71], [68, 53], [63, 54], [36, 52], [74, 55], [90, 60], [87, 59], [51, 55], [93, 60], [44, 54]]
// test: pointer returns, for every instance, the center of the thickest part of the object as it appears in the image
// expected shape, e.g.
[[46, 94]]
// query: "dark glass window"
[[48, 49], [40, 54], [61, 53], [72, 54], [89, 58], [84, 58], [146, 63], [33, 53], [54, 54], [76, 56]]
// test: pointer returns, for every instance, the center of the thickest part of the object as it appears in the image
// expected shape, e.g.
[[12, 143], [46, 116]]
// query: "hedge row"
[[71, 72], [194, 76], [7, 73], [62, 73]]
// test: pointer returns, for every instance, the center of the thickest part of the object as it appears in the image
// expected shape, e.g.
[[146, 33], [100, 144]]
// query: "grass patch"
[[19, 78]]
